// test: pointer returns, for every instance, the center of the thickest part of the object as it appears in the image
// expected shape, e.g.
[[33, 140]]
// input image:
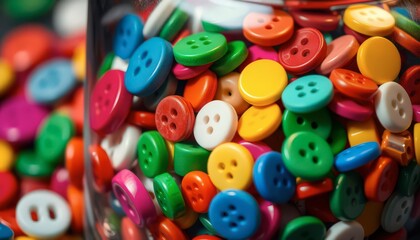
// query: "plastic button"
[[410, 82], [6, 233], [158, 17], [7, 156], [396, 212], [350, 109], [409, 179], [353, 84], [7, 78], [399, 146], [381, 180], [305, 228], [337, 138], [128, 36], [325, 21], [169, 195], [356, 156], [228, 91], [174, 24], [168, 88], [309, 190], [101, 167], [198, 191], [235, 55], [201, 89], [29, 164], [182, 72], [9, 189], [345, 230], [189, 157], [318, 122], [74, 161], [152, 154], [361, 132]]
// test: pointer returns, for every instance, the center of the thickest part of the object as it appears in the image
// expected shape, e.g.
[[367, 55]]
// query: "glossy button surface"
[[152, 154], [128, 35], [353, 84], [318, 122], [305, 228], [228, 91], [198, 191]]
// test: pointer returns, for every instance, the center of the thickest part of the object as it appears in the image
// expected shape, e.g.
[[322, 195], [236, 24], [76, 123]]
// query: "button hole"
[[232, 208], [34, 214], [399, 218], [372, 12], [401, 112], [51, 212], [241, 218], [305, 52], [172, 126], [399, 97], [190, 42], [136, 70], [315, 159], [207, 42], [194, 47], [189, 189], [206, 119], [311, 84], [195, 186], [217, 118], [314, 125], [269, 27], [299, 87], [203, 38], [304, 41], [404, 204], [174, 113], [312, 146], [348, 191], [314, 90], [278, 168], [229, 176], [164, 119], [234, 163], [285, 182], [221, 166], [302, 152], [301, 94], [224, 214], [210, 130], [144, 55], [275, 19], [148, 62], [233, 225], [394, 104], [294, 51]]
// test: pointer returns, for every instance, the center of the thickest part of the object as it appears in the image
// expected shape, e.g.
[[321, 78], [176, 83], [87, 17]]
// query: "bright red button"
[[8, 189], [310, 189], [102, 168]]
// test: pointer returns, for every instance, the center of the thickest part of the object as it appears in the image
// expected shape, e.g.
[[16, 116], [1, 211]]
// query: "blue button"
[[5, 232], [149, 66], [271, 178], [234, 214], [307, 94], [167, 88], [116, 205], [128, 36], [357, 156], [51, 81]]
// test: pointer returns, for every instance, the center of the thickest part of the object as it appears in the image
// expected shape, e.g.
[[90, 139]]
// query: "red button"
[[142, 119], [165, 229], [175, 118], [304, 51], [353, 84], [319, 206], [110, 103], [8, 189], [102, 168], [406, 41], [310, 189], [323, 21], [206, 237], [381, 181], [410, 81], [359, 37], [201, 89], [74, 160], [198, 191]]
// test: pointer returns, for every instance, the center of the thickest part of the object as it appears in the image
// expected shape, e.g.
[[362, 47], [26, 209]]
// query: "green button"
[[168, 195], [106, 64], [152, 154], [205, 220], [200, 49], [28, 9], [318, 122], [112, 221], [409, 179], [304, 228], [348, 199], [189, 157], [337, 138], [307, 155], [407, 25], [51, 142], [28, 164], [173, 25], [235, 55]]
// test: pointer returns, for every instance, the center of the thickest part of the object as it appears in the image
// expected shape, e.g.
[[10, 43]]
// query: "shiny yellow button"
[[79, 61], [416, 135], [7, 77], [379, 59], [230, 166], [369, 20], [258, 123], [370, 219], [360, 132], [7, 156], [24, 238], [262, 82]]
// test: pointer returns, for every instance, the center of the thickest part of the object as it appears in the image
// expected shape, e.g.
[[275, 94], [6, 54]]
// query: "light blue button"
[[357, 156], [51, 81], [5, 232], [149, 66], [128, 36], [307, 94]]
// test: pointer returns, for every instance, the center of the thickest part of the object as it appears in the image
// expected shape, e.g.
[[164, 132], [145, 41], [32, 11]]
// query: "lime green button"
[[348, 200], [409, 179], [168, 195], [304, 228], [318, 122], [200, 49], [173, 25], [28, 9], [235, 55], [189, 157], [51, 142], [106, 64], [152, 154], [28, 164], [407, 25], [337, 138], [307, 155]]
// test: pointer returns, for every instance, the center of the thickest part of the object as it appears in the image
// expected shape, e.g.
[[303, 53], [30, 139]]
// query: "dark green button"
[[106, 64], [51, 142], [409, 179], [28, 164], [304, 228], [205, 220], [318, 122], [337, 138], [112, 222], [173, 25], [152, 154], [168, 195], [28, 9], [235, 55], [307, 155], [407, 25], [200, 49], [348, 199], [189, 157]]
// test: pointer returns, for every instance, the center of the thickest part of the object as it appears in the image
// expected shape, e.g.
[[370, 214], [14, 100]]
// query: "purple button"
[[20, 119]]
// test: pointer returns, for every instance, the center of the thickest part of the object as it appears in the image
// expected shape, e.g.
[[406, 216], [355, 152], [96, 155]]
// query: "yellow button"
[[378, 59], [230, 166], [24, 238], [370, 219], [79, 61], [369, 20], [7, 156], [258, 123], [416, 135], [262, 82], [7, 77], [360, 132]]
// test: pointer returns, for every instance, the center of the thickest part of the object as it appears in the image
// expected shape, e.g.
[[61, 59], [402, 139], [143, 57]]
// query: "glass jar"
[[104, 213]]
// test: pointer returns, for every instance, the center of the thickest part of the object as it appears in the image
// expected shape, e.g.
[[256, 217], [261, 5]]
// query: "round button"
[[270, 220], [406, 24], [7, 156], [142, 119], [406, 41], [149, 66], [234, 214], [157, 18], [9, 189], [345, 230], [304, 51], [411, 83], [130, 231], [318, 122], [189, 157], [350, 109], [307, 155], [182, 72], [165, 228], [101, 167], [175, 118], [409, 179], [307, 94], [228, 91], [198, 191], [201, 89], [7, 78], [255, 148], [369, 20], [262, 82], [337, 138], [393, 107], [396, 212], [416, 140], [304, 228], [168, 88], [169, 195], [361, 132], [235, 55], [128, 36], [216, 123], [74, 161], [6, 233], [77, 208], [325, 21], [257, 52], [174, 24], [381, 180], [357, 156], [110, 103], [44, 204], [200, 48], [353, 84], [230, 166], [348, 199], [152, 154], [379, 60], [29, 164], [268, 29], [272, 180], [257, 123], [309, 190]]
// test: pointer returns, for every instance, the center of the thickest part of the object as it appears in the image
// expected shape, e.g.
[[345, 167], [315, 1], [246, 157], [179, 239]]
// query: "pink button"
[[257, 52], [416, 113], [359, 37], [110, 103], [20, 119], [270, 220], [255, 148], [339, 53], [350, 109], [133, 197], [182, 72], [60, 181]]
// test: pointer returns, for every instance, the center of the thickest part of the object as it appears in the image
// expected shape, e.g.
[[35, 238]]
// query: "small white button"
[[345, 230], [119, 64], [158, 17]]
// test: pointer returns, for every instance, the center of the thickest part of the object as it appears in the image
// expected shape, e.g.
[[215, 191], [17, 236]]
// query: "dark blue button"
[[357, 156], [128, 36]]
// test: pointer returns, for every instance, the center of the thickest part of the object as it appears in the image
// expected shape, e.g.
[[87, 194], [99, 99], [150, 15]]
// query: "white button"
[[158, 17], [52, 214], [345, 230], [215, 123], [396, 212], [121, 146], [119, 64], [393, 107], [64, 20]]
